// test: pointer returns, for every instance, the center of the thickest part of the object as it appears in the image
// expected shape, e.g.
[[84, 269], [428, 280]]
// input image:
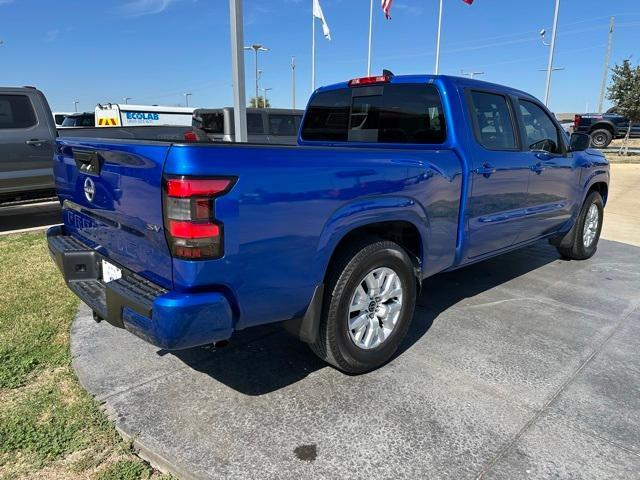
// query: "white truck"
[[125, 115]]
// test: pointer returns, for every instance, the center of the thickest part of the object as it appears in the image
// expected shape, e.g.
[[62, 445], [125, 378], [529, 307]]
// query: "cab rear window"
[[402, 113]]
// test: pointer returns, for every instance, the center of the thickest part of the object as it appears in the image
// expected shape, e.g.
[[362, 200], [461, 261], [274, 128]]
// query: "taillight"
[[192, 231], [190, 137], [369, 80], [576, 122]]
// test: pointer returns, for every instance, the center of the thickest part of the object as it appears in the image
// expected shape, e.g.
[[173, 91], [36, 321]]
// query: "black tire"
[[334, 343], [601, 138], [577, 250]]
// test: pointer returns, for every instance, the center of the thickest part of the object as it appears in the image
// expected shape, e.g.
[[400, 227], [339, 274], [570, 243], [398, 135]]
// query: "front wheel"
[[587, 230], [369, 303]]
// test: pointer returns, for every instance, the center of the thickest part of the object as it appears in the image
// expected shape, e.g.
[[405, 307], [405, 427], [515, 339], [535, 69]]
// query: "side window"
[[492, 118], [254, 124], [539, 131], [282, 125], [16, 111]]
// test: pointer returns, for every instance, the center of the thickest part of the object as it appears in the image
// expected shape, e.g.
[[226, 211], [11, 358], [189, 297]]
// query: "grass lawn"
[[49, 426]]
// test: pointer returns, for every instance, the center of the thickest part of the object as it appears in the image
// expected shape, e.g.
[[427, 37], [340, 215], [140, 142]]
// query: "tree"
[[259, 103], [624, 91]]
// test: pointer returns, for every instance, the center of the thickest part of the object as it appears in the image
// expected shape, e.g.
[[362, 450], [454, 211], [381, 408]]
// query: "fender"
[[367, 211]]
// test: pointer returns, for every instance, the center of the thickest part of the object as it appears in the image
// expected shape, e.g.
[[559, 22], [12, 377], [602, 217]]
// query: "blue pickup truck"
[[394, 179]]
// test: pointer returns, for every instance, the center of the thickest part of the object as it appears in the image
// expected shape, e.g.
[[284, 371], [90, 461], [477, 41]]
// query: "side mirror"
[[579, 142]]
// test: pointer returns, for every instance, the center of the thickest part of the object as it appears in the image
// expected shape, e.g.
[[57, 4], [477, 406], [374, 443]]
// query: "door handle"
[[485, 170], [538, 168], [36, 142], [543, 155]]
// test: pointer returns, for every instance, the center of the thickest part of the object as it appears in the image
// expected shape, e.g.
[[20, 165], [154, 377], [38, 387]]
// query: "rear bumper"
[[169, 320]]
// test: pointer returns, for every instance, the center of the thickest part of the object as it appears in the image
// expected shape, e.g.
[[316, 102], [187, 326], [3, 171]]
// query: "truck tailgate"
[[112, 201]]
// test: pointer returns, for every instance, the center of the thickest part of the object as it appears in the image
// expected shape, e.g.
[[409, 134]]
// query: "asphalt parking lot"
[[521, 366]]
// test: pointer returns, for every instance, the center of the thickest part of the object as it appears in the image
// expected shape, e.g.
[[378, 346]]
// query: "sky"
[[154, 51]]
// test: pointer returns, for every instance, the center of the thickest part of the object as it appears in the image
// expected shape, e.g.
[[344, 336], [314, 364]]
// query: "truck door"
[[26, 153], [553, 176], [499, 176]]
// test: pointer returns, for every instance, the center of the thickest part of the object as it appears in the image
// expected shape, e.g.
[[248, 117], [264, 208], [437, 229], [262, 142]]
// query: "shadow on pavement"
[[264, 359], [29, 215]]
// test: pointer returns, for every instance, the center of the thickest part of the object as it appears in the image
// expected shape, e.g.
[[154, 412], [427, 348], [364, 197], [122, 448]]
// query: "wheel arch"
[[399, 219], [603, 125]]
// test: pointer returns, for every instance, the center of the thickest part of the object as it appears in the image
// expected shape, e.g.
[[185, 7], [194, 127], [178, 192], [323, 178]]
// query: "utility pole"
[[237, 70], [126, 100], [605, 73], [186, 98], [75, 105], [293, 81], [552, 48], [264, 96], [370, 37], [256, 47]]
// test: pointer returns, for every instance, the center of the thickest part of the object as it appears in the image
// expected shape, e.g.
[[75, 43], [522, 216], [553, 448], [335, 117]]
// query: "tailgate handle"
[[88, 161]]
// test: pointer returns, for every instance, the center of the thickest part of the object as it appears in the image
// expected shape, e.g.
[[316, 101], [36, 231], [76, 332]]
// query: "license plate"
[[110, 272]]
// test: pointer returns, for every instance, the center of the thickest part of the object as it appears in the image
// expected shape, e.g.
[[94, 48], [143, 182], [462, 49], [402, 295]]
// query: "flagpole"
[[438, 41], [370, 36], [313, 50]]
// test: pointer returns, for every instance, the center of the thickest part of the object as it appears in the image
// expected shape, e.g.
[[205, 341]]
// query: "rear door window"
[[539, 131], [16, 111], [401, 113], [255, 125], [282, 125], [493, 121]]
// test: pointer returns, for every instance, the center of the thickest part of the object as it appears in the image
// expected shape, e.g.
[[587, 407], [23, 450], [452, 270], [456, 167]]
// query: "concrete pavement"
[[622, 213], [520, 366]]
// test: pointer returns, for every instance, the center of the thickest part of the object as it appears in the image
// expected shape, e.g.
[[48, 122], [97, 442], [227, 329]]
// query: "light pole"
[[552, 48], [75, 105], [237, 70], [256, 47], [126, 100], [471, 74], [186, 98], [293, 81], [264, 96]]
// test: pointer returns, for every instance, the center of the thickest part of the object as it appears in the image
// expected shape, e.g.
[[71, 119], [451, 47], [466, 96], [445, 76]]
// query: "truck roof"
[[461, 81]]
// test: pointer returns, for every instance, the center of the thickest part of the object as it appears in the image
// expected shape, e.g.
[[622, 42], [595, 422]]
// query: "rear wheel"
[[369, 303], [587, 230], [601, 138]]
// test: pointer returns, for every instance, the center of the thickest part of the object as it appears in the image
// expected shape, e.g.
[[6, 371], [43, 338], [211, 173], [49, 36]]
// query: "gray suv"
[[27, 140]]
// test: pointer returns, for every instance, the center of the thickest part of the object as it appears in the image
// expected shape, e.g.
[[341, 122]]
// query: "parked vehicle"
[[394, 180], [567, 126], [60, 116], [264, 125], [125, 115], [27, 135], [79, 120], [604, 127]]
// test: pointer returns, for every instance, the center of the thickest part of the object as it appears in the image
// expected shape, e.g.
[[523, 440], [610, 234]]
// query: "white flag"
[[317, 12]]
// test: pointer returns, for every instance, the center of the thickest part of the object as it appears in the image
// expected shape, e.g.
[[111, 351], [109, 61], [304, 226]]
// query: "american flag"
[[386, 8]]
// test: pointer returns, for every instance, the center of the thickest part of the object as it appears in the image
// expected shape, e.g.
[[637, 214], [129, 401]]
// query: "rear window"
[[209, 122], [16, 111], [403, 113], [282, 125]]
